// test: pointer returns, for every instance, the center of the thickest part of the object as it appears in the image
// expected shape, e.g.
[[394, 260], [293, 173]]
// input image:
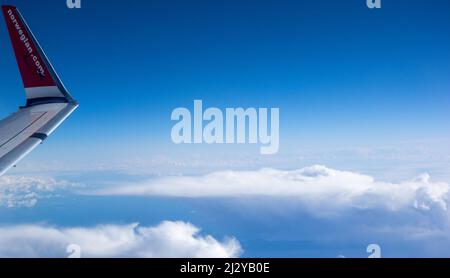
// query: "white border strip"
[[40, 92]]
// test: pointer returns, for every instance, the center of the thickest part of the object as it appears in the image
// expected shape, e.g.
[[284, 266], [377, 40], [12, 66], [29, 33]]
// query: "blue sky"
[[333, 67], [358, 90]]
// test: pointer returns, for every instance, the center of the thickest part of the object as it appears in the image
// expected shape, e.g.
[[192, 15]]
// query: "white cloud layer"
[[168, 239], [317, 188], [17, 191]]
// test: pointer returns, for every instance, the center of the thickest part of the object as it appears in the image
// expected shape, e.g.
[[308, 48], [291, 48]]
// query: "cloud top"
[[18, 191], [168, 240], [314, 187]]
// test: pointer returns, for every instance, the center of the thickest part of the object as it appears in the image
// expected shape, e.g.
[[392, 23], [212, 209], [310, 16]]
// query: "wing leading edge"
[[48, 102]]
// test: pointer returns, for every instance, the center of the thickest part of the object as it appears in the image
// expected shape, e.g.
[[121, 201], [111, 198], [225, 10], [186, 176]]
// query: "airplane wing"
[[48, 102]]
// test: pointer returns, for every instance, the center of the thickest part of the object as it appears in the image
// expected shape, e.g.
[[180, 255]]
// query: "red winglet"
[[30, 58]]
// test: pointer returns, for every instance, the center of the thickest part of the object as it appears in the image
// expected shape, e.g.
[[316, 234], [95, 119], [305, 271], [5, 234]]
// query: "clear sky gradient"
[[358, 89], [342, 75]]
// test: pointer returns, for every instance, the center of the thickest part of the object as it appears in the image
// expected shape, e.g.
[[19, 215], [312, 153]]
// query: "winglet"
[[42, 84]]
